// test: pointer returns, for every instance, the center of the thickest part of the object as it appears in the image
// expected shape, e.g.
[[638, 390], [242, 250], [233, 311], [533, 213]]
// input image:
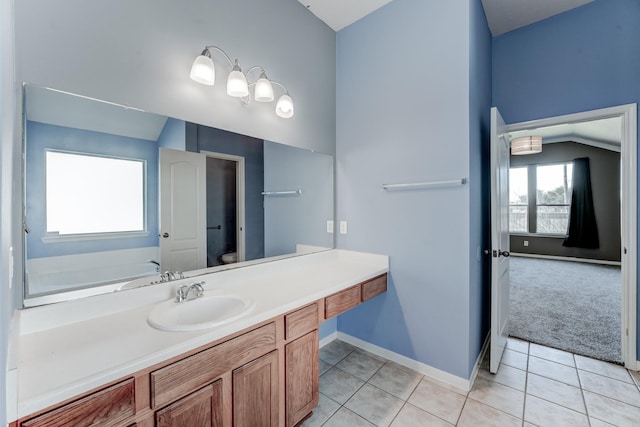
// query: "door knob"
[[500, 253], [165, 235]]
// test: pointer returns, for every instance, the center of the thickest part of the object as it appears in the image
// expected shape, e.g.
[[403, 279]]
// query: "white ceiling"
[[338, 14], [604, 133], [503, 15], [507, 15]]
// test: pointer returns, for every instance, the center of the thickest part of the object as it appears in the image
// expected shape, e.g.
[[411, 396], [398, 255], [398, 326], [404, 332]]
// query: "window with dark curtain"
[[582, 231]]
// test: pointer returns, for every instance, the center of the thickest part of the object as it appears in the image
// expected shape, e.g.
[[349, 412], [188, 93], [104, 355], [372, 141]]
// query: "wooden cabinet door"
[[302, 370], [255, 393], [202, 408]]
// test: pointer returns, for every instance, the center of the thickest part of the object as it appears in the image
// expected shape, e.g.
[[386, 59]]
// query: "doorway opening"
[[566, 294], [225, 208], [626, 246]]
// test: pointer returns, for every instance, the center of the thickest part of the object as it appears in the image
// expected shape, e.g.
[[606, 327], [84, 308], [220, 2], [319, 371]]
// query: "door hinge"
[[626, 331], [625, 251]]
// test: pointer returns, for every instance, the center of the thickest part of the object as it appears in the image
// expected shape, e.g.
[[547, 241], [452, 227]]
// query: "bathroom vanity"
[[97, 361]]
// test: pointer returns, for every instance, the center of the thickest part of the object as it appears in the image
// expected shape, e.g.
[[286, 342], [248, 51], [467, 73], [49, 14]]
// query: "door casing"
[[628, 211]]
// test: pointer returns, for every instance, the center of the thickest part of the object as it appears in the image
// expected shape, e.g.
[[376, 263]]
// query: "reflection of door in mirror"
[[225, 209], [182, 210]]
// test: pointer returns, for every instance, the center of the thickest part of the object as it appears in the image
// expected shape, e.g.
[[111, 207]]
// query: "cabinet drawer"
[[301, 321], [373, 287], [106, 407], [341, 302], [189, 374]]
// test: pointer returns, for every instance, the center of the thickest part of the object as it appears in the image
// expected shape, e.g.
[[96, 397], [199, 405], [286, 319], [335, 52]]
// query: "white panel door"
[[183, 222], [499, 238]]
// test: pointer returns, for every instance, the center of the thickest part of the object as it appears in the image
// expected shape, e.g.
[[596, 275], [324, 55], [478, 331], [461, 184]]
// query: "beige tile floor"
[[534, 386]]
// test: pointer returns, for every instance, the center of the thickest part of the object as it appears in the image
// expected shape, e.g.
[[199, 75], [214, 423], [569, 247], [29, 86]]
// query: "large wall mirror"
[[115, 197]]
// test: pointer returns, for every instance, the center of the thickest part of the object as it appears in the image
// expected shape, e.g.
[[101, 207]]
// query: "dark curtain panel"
[[582, 231]]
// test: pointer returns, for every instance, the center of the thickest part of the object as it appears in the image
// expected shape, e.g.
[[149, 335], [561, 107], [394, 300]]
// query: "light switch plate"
[[330, 226], [343, 227]]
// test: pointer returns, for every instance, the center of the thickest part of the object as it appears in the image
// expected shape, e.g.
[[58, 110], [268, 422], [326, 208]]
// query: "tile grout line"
[[584, 400], [406, 401], [342, 405], [334, 365], [526, 383]]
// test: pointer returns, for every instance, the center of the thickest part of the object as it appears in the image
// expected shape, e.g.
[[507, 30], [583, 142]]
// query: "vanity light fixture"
[[203, 71], [526, 145]]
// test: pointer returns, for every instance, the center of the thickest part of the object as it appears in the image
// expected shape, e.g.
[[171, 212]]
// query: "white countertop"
[[69, 348]]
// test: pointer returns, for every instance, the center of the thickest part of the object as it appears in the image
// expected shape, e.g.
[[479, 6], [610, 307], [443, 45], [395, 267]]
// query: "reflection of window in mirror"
[[89, 194]]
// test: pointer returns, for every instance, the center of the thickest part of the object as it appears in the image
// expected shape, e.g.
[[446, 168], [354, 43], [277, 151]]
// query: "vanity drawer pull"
[[301, 321], [341, 301], [374, 287], [106, 407]]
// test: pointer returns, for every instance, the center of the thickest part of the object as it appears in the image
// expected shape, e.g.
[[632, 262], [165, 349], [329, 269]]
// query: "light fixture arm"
[[207, 52], [286, 91], [255, 67]]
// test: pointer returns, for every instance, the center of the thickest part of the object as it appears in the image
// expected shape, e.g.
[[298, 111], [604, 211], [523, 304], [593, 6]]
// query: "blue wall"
[[173, 134], [403, 115], [291, 220], [479, 180], [41, 136], [581, 60], [115, 51]]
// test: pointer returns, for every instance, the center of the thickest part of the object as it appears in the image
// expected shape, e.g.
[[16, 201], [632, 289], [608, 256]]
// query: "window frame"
[[55, 237], [532, 195]]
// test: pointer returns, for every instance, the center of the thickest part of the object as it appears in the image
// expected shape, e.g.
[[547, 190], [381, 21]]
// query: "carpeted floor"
[[567, 305]]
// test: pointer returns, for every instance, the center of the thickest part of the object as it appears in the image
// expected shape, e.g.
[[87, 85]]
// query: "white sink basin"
[[200, 313]]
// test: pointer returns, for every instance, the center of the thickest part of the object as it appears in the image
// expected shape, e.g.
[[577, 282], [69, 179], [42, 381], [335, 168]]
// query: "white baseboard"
[[446, 379], [483, 351], [326, 340], [566, 258]]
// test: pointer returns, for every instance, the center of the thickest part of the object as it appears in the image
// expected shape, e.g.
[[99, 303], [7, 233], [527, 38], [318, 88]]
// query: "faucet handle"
[[182, 293], [199, 289]]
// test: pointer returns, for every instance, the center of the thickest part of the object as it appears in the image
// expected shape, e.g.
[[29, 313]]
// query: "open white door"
[[183, 222], [499, 238]]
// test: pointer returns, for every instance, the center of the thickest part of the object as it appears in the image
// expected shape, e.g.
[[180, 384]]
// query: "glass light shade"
[[203, 70], [526, 145], [284, 107], [237, 83], [264, 90]]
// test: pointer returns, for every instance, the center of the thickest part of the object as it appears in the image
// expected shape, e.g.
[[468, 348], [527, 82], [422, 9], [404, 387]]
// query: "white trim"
[[629, 217], [240, 203], [331, 337], [476, 368], [567, 258], [451, 381]]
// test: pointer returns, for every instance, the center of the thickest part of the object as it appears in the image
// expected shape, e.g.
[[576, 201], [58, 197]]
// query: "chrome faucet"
[[183, 292], [168, 276]]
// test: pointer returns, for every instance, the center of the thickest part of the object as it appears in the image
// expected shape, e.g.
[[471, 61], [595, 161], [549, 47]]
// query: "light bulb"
[[237, 83], [264, 90], [203, 71], [284, 107]]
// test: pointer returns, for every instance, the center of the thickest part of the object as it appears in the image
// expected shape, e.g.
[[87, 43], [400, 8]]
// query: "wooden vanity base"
[[266, 375]]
